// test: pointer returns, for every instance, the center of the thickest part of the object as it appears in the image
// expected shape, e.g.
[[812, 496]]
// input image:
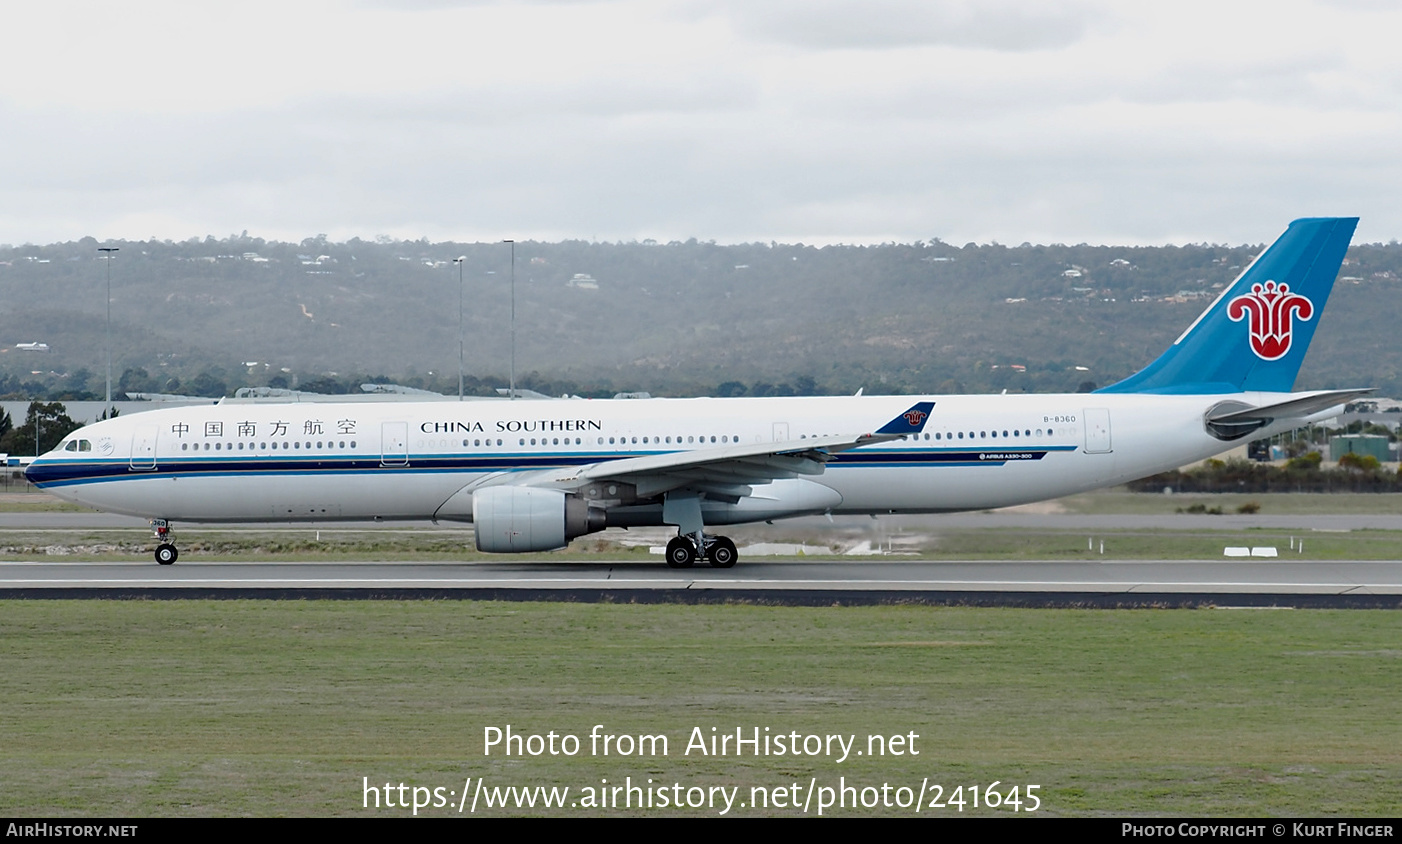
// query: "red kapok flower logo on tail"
[[914, 417], [1270, 309]]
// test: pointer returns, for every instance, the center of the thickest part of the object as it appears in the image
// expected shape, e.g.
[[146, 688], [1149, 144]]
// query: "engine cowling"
[[514, 519]]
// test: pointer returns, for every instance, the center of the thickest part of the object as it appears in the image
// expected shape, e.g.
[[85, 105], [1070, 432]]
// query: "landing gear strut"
[[718, 550], [166, 552]]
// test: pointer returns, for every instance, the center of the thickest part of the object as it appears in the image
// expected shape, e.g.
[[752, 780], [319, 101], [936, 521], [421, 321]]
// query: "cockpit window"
[[84, 445], [72, 446]]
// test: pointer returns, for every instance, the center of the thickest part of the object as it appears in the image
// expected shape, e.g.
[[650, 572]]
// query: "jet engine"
[[513, 519]]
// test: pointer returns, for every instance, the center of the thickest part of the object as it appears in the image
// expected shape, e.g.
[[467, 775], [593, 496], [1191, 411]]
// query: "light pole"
[[513, 317], [460, 260], [107, 253]]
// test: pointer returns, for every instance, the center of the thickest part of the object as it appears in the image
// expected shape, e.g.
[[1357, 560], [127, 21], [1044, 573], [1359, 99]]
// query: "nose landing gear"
[[166, 552]]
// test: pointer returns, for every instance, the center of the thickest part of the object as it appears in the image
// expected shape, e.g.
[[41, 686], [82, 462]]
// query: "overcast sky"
[[820, 121]]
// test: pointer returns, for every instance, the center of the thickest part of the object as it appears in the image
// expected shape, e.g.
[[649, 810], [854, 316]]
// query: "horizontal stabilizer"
[[1294, 408]]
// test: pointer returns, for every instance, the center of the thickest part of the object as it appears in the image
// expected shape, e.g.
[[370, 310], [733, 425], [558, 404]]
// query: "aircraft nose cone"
[[39, 471]]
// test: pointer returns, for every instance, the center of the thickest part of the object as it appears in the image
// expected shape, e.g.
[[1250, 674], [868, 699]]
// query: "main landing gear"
[[166, 552], [683, 509], [718, 550]]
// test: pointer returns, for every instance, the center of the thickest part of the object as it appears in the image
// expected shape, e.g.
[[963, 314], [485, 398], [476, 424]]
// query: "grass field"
[[302, 544], [1276, 503], [281, 708]]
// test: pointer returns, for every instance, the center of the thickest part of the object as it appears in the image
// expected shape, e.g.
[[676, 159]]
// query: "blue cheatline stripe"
[[70, 473]]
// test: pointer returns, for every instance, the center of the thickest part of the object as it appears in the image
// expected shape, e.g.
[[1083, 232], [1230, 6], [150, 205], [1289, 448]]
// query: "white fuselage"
[[401, 460]]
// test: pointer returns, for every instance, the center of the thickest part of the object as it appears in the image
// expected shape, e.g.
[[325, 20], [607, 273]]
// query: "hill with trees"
[[204, 317]]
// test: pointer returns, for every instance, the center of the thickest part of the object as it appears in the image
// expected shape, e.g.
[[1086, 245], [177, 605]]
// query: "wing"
[[728, 472]]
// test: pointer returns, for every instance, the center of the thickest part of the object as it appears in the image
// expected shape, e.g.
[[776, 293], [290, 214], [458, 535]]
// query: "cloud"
[[1003, 25], [820, 121]]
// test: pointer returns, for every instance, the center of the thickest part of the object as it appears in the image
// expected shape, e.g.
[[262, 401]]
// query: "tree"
[[325, 385], [52, 422], [1359, 463], [1305, 462], [208, 384], [135, 380]]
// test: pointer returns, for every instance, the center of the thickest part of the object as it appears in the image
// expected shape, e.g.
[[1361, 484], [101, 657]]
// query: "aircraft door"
[[1097, 422], [781, 432], [394, 444], [143, 448]]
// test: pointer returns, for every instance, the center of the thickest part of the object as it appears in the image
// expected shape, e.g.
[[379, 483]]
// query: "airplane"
[[533, 475]]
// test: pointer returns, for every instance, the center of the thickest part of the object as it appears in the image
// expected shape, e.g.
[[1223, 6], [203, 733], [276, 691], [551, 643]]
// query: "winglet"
[[910, 422]]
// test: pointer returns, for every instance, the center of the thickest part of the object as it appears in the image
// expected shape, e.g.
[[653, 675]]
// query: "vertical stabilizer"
[[1254, 337]]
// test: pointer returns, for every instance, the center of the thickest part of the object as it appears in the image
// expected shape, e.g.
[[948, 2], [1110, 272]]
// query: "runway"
[[1108, 583]]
